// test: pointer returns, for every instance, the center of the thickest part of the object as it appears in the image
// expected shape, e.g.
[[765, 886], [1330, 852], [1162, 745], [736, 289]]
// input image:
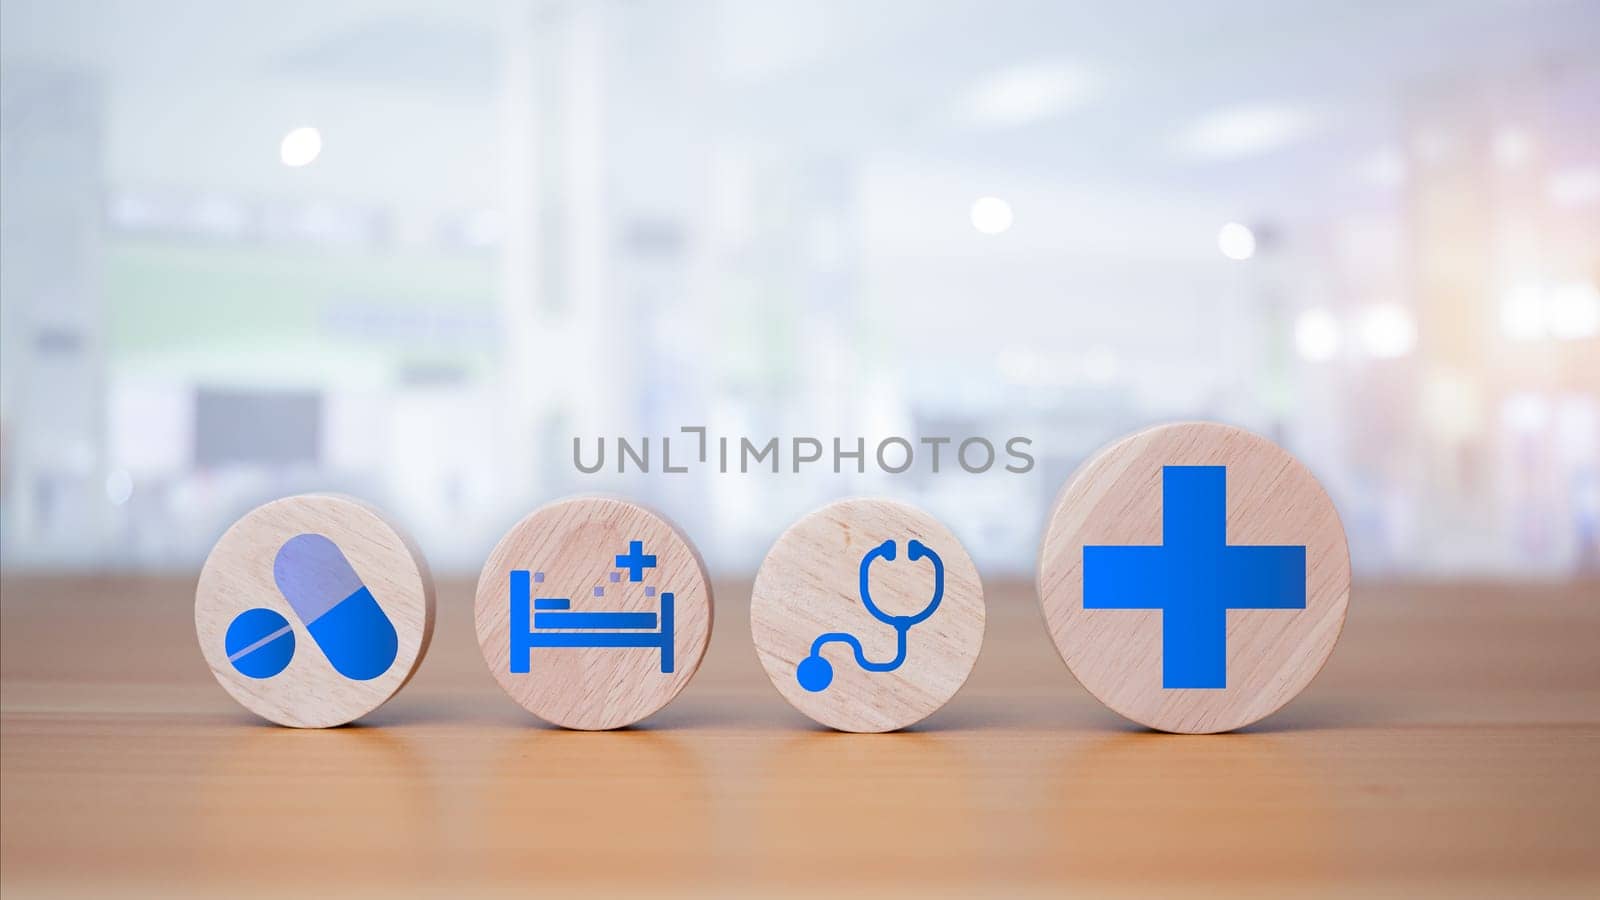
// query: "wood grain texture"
[[1272, 654], [574, 543], [1451, 748], [808, 586], [238, 575]]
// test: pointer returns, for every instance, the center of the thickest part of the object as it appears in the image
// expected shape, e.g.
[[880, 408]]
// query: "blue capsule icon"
[[338, 610], [333, 603]]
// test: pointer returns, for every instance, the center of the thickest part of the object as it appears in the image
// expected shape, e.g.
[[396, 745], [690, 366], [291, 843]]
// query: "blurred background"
[[410, 250]]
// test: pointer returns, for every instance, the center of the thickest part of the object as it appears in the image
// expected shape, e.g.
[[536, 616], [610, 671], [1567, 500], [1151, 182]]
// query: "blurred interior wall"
[[52, 368]]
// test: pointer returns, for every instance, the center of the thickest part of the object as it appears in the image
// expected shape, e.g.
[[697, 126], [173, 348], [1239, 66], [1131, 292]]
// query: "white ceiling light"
[[1522, 313], [1573, 312], [1387, 331], [1236, 241], [991, 215], [1574, 187], [1316, 335], [1244, 131], [1569, 311], [300, 147], [1022, 94]]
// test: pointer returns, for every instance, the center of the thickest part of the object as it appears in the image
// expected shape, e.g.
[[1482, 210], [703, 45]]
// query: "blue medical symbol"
[[815, 673], [1194, 577], [259, 642], [551, 621], [333, 603], [636, 560]]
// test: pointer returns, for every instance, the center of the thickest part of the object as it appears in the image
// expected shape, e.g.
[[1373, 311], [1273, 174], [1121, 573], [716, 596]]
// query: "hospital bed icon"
[[555, 624]]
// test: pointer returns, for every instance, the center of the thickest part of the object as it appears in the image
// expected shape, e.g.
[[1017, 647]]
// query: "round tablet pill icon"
[[313, 611], [1194, 577], [260, 643], [868, 615]]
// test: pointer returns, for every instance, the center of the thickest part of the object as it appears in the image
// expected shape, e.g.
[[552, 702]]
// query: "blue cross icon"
[[1194, 577], [636, 560]]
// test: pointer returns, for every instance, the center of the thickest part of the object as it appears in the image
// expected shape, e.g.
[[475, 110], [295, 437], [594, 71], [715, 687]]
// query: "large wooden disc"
[[1248, 629]]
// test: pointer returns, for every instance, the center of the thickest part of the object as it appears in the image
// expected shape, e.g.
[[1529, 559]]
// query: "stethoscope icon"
[[815, 673]]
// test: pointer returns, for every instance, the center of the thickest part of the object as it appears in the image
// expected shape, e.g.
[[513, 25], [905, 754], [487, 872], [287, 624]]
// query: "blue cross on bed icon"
[[1194, 577], [636, 560]]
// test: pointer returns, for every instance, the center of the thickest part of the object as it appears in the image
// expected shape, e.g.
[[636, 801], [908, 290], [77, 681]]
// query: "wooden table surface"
[[1450, 747]]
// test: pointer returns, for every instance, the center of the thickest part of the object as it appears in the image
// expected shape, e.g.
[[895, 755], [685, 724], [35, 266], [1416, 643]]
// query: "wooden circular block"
[[313, 611], [593, 612], [1194, 577], [827, 653]]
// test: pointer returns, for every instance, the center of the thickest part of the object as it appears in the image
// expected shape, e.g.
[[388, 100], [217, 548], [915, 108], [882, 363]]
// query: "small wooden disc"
[[812, 628], [1216, 577], [313, 611], [593, 612]]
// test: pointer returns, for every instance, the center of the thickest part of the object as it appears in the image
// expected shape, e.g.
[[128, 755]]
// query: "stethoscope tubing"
[[902, 625], [867, 665]]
